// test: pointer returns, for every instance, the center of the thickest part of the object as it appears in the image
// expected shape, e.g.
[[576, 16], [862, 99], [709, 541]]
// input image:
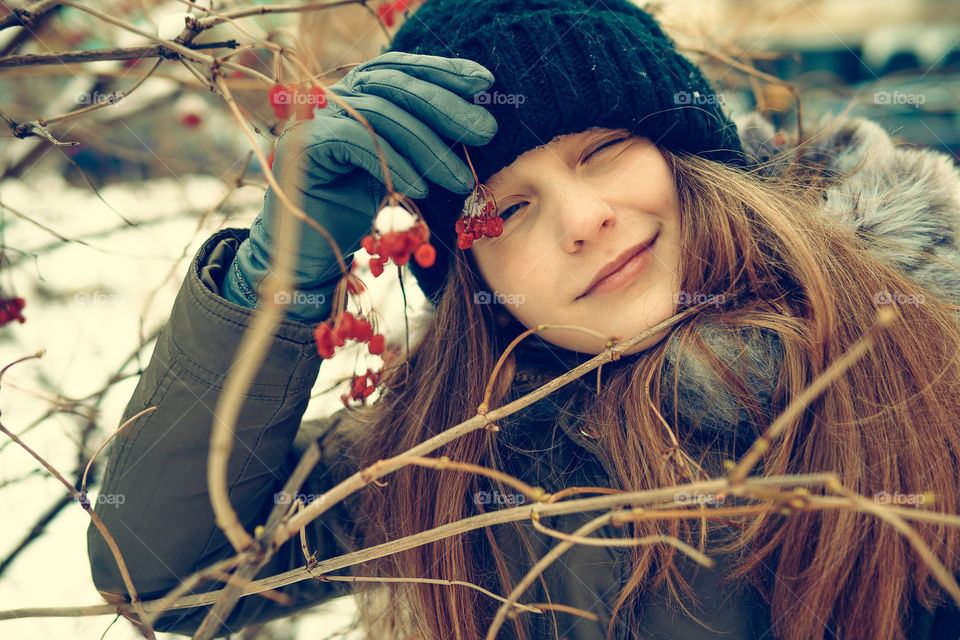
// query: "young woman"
[[626, 195]]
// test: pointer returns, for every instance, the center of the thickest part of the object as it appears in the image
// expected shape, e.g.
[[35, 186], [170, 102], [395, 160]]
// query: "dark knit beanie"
[[562, 67]]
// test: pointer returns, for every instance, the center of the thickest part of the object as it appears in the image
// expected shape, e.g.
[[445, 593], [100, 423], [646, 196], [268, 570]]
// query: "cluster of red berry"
[[10, 310], [347, 327], [292, 98], [387, 10], [399, 246], [474, 227], [360, 387]]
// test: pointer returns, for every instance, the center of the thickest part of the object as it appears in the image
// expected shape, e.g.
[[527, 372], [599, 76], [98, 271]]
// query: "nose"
[[582, 214]]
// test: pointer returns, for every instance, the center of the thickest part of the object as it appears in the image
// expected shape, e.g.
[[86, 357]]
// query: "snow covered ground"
[[88, 306]]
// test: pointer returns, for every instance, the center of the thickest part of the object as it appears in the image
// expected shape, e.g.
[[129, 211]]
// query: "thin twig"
[[798, 405]]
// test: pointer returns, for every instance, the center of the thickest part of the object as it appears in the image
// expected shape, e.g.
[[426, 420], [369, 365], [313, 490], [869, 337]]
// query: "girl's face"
[[577, 214]]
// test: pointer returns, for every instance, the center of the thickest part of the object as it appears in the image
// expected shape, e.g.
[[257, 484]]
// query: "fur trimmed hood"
[[906, 194]]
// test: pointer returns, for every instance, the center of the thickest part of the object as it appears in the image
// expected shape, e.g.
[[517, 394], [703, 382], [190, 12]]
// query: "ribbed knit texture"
[[562, 67]]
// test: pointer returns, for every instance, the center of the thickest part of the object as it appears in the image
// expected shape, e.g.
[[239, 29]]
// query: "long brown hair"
[[889, 424]]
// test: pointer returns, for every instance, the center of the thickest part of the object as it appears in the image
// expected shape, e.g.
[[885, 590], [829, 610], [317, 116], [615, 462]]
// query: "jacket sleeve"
[[153, 496]]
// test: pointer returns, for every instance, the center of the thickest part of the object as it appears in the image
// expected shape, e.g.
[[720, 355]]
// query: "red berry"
[[359, 384], [367, 243], [385, 11], [390, 244], [377, 344], [318, 98], [270, 159], [280, 101], [401, 258], [191, 120], [376, 266], [345, 325], [425, 255], [420, 231], [476, 227], [410, 241], [363, 330], [370, 389], [325, 350], [461, 226], [493, 227], [464, 240]]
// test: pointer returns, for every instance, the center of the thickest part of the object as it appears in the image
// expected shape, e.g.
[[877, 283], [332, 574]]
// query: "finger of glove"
[[423, 148], [445, 112], [458, 75], [344, 207], [333, 146]]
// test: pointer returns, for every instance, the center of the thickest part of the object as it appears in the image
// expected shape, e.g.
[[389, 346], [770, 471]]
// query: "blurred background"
[[106, 194]]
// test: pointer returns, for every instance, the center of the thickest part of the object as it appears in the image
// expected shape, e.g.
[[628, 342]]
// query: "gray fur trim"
[[900, 194]]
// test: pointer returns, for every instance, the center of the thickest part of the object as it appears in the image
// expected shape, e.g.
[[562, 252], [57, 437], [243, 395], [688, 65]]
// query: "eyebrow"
[[497, 179]]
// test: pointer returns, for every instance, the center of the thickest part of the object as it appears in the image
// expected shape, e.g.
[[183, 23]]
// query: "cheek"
[[502, 268]]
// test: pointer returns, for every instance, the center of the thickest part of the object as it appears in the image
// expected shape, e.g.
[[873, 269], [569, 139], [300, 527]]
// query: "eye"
[[506, 213], [602, 146]]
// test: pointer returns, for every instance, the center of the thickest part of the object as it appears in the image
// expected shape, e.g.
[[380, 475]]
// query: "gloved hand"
[[409, 100]]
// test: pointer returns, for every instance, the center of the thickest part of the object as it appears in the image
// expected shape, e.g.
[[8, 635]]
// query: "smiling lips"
[[622, 269]]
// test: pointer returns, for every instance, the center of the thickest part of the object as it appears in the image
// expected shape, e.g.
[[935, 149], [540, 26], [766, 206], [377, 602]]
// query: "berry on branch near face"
[[425, 255], [398, 236], [478, 220], [361, 386], [345, 327]]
